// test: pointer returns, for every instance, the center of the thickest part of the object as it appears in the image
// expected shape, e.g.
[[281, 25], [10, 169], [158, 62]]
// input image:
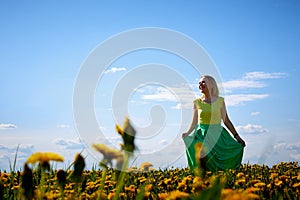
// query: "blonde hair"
[[214, 90]]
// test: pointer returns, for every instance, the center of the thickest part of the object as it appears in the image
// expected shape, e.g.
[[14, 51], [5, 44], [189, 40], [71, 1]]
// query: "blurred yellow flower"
[[240, 175], [142, 179], [177, 195], [230, 194], [181, 185], [148, 187], [284, 178], [273, 175], [296, 185], [44, 157], [199, 151], [162, 196], [132, 170], [131, 188], [128, 135], [145, 166], [259, 185], [278, 183], [167, 181], [108, 153], [240, 182], [252, 190]]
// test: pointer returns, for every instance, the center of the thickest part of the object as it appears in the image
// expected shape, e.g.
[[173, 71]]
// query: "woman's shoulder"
[[197, 102]]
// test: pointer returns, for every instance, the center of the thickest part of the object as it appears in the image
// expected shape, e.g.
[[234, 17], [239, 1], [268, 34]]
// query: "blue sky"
[[255, 46]]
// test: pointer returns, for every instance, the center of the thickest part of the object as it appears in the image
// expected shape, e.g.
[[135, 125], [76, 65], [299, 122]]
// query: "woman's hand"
[[184, 135], [240, 140]]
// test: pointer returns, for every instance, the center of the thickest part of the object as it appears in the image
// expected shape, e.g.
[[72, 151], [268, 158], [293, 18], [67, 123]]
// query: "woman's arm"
[[230, 126], [193, 124]]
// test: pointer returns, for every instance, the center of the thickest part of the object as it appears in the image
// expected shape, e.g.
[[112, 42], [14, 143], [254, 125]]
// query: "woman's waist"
[[205, 126]]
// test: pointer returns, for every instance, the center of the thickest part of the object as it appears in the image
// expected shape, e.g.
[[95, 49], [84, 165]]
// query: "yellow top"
[[209, 113]]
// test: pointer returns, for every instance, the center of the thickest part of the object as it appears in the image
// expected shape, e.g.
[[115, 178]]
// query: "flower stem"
[[102, 183], [122, 176]]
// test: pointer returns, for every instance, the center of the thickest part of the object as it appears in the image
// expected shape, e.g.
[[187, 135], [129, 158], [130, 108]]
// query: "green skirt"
[[221, 150]]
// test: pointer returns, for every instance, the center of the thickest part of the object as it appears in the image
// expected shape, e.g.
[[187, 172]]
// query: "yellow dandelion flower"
[[181, 185], [162, 196], [177, 195], [251, 196], [128, 135], [152, 169], [296, 185], [198, 184], [197, 179], [98, 195], [130, 188], [199, 151], [229, 194], [111, 195], [15, 187], [108, 153], [284, 178], [187, 178], [142, 179], [240, 182], [226, 192], [147, 195], [145, 166], [273, 175], [119, 129], [252, 190], [167, 181], [43, 157], [278, 183], [148, 187], [259, 185], [131, 170], [252, 182], [240, 175]]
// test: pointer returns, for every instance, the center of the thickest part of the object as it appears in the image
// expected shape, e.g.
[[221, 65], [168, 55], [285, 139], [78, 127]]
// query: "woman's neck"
[[208, 98]]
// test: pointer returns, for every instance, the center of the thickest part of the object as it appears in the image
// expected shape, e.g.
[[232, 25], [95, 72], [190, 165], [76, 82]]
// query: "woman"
[[219, 150]]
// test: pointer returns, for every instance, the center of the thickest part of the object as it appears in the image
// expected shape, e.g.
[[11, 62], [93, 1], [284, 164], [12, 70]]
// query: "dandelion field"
[[39, 180], [282, 181]]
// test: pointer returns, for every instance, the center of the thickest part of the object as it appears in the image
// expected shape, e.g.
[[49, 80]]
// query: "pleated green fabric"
[[221, 150]]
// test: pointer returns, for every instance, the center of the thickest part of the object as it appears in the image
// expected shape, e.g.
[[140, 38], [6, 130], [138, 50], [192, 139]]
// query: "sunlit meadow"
[[113, 179]]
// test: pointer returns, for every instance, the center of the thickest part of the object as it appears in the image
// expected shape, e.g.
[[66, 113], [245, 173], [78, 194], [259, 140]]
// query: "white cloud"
[[109, 140], [163, 142], [63, 126], [161, 94], [242, 84], [178, 106], [114, 70], [8, 153], [264, 75], [182, 94], [251, 80], [7, 126], [251, 128], [255, 113], [295, 121], [69, 144], [240, 99], [292, 148], [184, 97]]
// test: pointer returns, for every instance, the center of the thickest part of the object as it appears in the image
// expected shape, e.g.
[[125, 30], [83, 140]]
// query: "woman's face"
[[204, 85]]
